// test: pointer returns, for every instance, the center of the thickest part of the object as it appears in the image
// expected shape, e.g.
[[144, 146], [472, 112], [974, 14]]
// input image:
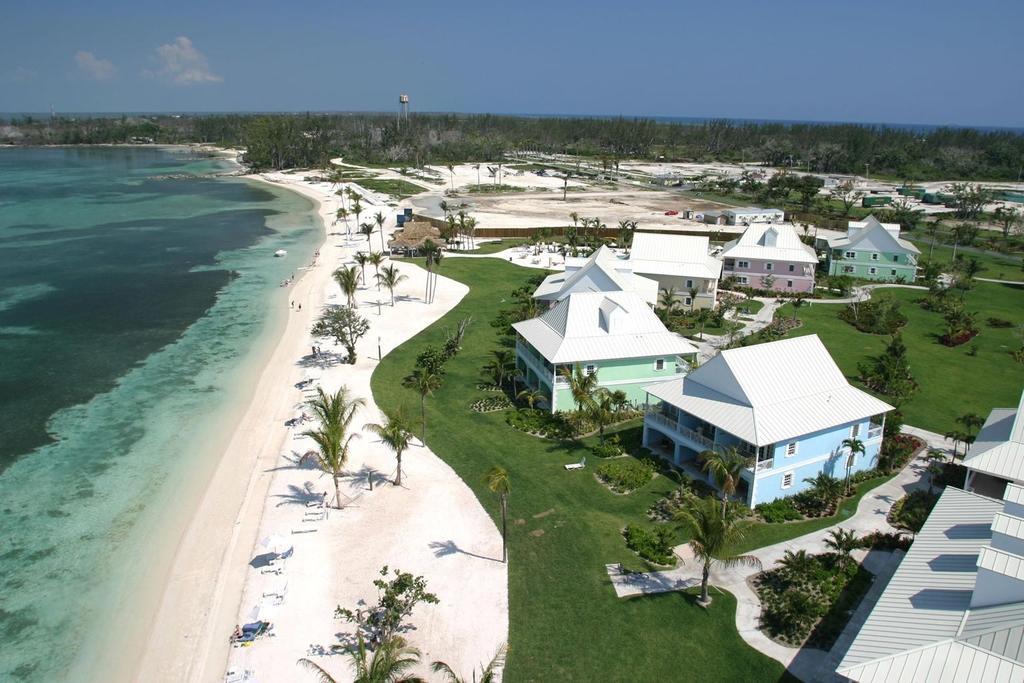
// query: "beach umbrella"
[[277, 544]]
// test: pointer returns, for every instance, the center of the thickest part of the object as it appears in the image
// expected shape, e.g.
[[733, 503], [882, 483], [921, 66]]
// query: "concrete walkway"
[[999, 282], [871, 515]]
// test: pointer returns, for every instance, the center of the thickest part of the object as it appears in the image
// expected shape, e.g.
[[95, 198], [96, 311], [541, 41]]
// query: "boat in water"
[[280, 252]]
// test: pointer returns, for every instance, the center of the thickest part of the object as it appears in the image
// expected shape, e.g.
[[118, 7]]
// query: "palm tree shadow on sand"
[[449, 547]]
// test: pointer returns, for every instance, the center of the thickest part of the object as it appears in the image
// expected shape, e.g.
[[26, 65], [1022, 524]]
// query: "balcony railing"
[[874, 431], [765, 464], [662, 419], [697, 437]]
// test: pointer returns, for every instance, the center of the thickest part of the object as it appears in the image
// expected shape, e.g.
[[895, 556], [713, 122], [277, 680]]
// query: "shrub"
[[911, 511], [897, 450], [879, 540], [540, 423], [881, 316], [626, 475], [999, 322], [777, 511], [654, 545], [490, 404], [664, 509], [432, 359], [609, 449], [953, 474]]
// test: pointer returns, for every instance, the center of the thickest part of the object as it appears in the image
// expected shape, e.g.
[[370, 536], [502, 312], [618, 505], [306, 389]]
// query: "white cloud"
[[93, 67], [182, 64]]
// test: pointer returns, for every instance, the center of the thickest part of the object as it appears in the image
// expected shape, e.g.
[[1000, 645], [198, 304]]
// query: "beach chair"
[[238, 676], [577, 465], [277, 590]]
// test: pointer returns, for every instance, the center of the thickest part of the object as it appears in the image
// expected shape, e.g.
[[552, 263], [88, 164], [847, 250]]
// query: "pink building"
[[771, 256]]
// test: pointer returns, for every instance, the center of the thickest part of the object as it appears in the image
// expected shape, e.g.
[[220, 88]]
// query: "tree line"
[[307, 140]]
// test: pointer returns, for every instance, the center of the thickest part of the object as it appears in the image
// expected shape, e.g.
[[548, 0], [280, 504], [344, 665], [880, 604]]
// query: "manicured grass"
[[952, 383], [750, 307], [565, 621], [997, 267], [396, 188], [495, 247]]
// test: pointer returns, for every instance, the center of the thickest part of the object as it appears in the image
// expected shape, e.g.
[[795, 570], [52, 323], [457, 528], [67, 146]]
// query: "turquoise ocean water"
[[138, 292]]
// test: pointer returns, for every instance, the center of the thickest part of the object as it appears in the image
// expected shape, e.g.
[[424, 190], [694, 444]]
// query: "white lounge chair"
[[577, 465]]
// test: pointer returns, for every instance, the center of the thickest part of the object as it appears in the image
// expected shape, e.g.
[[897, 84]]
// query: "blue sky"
[[902, 61]]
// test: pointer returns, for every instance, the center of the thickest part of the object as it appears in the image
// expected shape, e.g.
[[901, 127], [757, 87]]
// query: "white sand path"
[[433, 525]]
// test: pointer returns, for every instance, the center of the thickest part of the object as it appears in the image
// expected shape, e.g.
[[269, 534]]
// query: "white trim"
[[783, 484], [659, 364], [742, 264], [796, 449]]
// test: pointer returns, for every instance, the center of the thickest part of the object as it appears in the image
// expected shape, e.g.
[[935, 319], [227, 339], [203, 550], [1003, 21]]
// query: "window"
[[687, 301], [789, 284], [787, 480], [791, 449], [689, 284], [850, 254], [893, 271], [895, 258], [847, 269], [730, 263], [768, 266], [792, 268], [742, 279], [874, 257], [872, 271], [659, 364], [855, 431], [591, 369], [743, 264]]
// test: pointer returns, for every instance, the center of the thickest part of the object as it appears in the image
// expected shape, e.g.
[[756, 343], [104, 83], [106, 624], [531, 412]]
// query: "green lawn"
[[495, 247], [996, 267], [952, 382], [565, 621], [399, 189]]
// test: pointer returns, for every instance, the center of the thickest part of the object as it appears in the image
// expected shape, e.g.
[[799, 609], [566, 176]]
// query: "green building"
[[613, 334], [873, 251]]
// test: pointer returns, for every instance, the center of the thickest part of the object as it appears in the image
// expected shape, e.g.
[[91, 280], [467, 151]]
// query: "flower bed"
[[490, 404], [911, 511], [541, 423], [625, 475], [653, 545]]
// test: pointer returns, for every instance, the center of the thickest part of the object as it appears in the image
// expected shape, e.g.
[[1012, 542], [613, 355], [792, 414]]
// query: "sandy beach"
[[432, 525]]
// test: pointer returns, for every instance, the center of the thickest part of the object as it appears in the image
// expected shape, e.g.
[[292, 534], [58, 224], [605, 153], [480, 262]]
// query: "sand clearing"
[[433, 525]]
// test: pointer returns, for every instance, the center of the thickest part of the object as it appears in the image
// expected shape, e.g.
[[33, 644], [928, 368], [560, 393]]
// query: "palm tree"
[[488, 674], [375, 259], [425, 383], [348, 280], [575, 218], [602, 410], [667, 302], [433, 254], [711, 535], [827, 487], [796, 563], [387, 664], [932, 229], [390, 278], [497, 481], [936, 461], [357, 206], [693, 291], [854, 448], [582, 385], [394, 434], [379, 220], [362, 258], [501, 367], [367, 229], [703, 316], [470, 231], [843, 542], [957, 437], [970, 422], [451, 172], [335, 413], [726, 467], [531, 396], [342, 215], [798, 302]]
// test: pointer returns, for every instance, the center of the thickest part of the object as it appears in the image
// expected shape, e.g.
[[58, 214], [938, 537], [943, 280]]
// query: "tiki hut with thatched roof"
[[413, 236]]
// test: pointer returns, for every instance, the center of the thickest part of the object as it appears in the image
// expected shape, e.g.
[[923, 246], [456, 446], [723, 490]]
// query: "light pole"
[[380, 356]]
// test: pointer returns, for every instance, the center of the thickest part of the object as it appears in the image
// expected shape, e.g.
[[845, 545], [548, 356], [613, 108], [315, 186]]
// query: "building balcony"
[[766, 464]]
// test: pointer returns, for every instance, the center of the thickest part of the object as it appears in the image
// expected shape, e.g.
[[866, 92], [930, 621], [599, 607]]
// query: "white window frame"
[[742, 279], [792, 268], [893, 271], [874, 256], [787, 480], [850, 254], [743, 264], [689, 284], [769, 266], [895, 258], [848, 269], [659, 364], [792, 446], [590, 369], [872, 271], [789, 284]]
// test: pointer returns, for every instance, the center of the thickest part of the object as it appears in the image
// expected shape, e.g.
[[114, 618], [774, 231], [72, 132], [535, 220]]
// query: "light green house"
[[873, 251], [613, 334]]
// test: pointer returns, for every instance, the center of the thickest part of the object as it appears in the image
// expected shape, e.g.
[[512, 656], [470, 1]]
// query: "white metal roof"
[[869, 234], [601, 326], [930, 593], [999, 629], [770, 393], [770, 242], [678, 255], [601, 272], [999, 447], [947, 661], [1001, 562]]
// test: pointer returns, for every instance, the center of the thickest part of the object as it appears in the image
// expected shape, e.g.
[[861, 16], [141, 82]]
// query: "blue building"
[[785, 405]]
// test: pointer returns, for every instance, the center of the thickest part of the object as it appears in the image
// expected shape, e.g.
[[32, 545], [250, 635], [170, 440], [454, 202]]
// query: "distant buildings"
[[747, 215], [771, 256], [873, 251], [996, 458], [679, 262], [954, 609], [784, 404], [614, 334], [601, 272]]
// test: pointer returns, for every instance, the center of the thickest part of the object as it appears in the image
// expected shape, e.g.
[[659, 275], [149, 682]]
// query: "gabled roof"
[[678, 255], [601, 326], [871, 235], [601, 272], [772, 242], [926, 605], [770, 393], [999, 447]]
